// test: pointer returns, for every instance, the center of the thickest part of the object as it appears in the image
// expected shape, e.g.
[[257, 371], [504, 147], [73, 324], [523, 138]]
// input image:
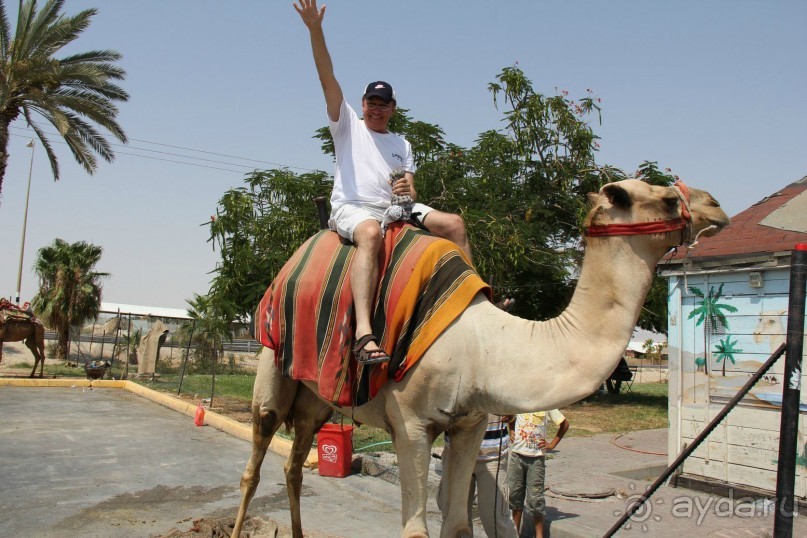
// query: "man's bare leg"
[[364, 275], [449, 226]]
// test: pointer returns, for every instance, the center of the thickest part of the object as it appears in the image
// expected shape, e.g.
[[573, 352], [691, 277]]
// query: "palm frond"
[[22, 34], [52, 33], [54, 161], [74, 94], [5, 32]]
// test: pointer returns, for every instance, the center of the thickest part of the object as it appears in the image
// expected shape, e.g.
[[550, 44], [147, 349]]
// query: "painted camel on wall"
[[488, 361]]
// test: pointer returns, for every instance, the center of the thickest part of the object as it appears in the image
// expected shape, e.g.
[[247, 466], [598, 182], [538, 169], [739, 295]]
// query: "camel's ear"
[[593, 198], [618, 196]]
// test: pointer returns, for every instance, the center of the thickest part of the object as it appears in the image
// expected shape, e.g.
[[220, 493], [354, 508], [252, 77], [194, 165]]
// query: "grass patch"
[[642, 408], [63, 370], [238, 386]]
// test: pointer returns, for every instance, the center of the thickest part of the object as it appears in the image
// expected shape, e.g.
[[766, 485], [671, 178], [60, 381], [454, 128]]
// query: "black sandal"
[[369, 356]]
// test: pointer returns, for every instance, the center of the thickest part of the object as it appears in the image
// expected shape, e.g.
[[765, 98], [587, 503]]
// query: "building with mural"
[[728, 300]]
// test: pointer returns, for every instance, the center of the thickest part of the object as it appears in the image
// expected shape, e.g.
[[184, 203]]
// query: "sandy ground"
[[15, 356]]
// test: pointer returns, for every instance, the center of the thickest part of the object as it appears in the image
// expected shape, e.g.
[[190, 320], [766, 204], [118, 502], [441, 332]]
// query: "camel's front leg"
[[458, 465], [413, 439]]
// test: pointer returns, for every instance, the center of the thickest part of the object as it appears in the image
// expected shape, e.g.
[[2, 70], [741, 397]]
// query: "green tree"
[[71, 93], [256, 229], [709, 314], [69, 288], [725, 352], [210, 328]]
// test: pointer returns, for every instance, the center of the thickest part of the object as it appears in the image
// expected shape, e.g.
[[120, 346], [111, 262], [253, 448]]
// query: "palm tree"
[[725, 352], [69, 287], [649, 347], [66, 92], [710, 315], [211, 328]]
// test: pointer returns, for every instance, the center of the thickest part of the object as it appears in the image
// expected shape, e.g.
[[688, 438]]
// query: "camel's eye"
[[671, 202], [712, 202]]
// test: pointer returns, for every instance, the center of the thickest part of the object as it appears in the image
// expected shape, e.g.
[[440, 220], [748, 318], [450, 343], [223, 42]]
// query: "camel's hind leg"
[[309, 413], [272, 398], [36, 343]]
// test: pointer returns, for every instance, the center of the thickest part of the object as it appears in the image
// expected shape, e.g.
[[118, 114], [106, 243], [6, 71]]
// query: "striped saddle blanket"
[[306, 316]]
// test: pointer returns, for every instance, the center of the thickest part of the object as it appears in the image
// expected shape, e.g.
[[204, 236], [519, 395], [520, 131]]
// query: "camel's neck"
[[582, 346]]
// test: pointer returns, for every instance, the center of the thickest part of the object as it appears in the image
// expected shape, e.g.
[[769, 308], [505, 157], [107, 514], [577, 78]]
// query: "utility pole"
[[25, 220]]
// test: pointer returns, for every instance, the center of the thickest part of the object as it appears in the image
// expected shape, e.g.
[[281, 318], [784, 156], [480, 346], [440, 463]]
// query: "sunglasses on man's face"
[[380, 108]]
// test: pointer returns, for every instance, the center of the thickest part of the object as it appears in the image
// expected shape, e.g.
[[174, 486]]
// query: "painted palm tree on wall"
[[709, 313], [725, 351], [71, 93]]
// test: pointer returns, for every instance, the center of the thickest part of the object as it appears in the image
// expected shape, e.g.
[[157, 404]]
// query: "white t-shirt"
[[364, 160], [530, 428]]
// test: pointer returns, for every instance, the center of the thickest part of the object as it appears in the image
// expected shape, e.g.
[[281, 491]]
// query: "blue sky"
[[712, 90]]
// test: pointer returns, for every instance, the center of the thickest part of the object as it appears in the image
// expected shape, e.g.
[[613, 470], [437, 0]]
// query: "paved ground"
[[105, 462], [598, 463]]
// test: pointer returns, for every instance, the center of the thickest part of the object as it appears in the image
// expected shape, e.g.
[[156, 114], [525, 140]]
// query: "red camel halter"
[[681, 222]]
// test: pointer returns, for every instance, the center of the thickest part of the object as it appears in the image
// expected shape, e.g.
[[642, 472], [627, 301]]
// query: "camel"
[[489, 361], [17, 329], [772, 328]]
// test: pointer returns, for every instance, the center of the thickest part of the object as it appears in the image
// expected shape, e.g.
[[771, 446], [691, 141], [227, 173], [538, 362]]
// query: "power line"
[[159, 158], [57, 140]]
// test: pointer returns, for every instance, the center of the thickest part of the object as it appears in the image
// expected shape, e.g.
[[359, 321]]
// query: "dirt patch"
[[233, 408], [254, 527], [586, 420]]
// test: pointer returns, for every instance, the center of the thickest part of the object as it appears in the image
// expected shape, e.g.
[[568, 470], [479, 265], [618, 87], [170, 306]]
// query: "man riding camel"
[[366, 154]]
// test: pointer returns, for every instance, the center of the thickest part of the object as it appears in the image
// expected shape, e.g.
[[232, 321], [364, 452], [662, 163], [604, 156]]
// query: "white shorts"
[[346, 217]]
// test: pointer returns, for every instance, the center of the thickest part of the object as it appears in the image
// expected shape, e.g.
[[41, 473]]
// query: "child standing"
[[526, 469]]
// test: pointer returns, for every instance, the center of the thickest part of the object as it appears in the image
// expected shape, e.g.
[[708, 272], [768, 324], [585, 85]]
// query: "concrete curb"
[[227, 425]]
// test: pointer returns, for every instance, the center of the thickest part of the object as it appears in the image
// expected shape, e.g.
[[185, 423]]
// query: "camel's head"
[[675, 215]]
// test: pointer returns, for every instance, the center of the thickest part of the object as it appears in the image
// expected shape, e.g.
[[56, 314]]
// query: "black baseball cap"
[[380, 89]]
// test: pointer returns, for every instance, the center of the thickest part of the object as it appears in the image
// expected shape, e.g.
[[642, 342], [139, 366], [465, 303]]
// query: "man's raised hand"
[[309, 13]]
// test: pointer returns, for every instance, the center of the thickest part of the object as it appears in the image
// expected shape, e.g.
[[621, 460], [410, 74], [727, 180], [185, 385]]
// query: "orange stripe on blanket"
[[422, 307]]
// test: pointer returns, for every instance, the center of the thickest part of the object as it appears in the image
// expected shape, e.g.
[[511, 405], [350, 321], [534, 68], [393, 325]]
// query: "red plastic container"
[[335, 450], [199, 419]]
